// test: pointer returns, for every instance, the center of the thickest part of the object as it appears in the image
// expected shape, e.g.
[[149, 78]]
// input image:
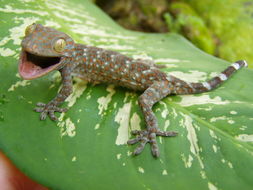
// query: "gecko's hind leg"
[[153, 94]]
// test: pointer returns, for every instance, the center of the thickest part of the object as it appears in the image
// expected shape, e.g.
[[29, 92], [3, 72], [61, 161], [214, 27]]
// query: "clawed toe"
[[48, 109], [148, 136], [166, 133]]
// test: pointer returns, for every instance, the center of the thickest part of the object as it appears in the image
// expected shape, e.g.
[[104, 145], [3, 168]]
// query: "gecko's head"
[[43, 50]]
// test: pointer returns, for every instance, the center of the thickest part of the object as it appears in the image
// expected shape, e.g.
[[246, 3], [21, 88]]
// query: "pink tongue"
[[27, 70]]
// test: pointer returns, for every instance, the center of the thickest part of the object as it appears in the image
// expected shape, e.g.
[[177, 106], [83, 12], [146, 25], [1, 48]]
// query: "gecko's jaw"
[[33, 66]]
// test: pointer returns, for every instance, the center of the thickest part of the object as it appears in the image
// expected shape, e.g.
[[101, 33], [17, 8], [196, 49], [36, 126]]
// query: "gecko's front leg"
[[52, 106]]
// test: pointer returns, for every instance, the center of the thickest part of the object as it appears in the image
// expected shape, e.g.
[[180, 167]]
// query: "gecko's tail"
[[216, 81]]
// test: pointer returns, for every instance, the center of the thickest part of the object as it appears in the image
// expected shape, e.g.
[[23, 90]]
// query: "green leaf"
[[87, 148]]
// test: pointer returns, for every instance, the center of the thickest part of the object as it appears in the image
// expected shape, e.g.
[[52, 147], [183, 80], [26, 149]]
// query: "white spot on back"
[[146, 71]]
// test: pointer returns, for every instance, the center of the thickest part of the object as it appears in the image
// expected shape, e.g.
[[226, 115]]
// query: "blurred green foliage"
[[221, 28]]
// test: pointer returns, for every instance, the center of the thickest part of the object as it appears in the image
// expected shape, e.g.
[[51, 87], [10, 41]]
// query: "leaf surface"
[[87, 148]]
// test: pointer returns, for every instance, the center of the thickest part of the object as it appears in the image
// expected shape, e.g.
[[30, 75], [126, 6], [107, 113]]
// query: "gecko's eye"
[[29, 29], [59, 45]]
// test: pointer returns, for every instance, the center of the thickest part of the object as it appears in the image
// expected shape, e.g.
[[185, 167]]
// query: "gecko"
[[44, 49]]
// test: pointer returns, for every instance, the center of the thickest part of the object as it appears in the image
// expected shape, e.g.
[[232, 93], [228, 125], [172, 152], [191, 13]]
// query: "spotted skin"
[[98, 65]]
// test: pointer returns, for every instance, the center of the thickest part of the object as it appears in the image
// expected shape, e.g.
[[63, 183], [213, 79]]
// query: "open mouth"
[[33, 66]]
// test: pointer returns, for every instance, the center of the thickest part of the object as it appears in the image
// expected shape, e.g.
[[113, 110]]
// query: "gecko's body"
[[45, 49]]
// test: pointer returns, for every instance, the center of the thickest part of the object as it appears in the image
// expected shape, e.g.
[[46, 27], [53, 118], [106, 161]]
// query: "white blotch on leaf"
[[245, 138], [212, 134], [243, 127], [64, 9], [118, 156], [212, 186], [169, 60], [166, 125], [192, 137], [9, 9], [174, 113], [142, 56], [165, 172], [78, 89], [5, 52], [224, 118], [193, 76], [18, 84], [233, 112], [105, 100], [67, 127], [122, 118], [230, 165], [187, 162], [209, 108], [189, 100], [140, 169], [135, 122], [165, 111], [203, 174], [66, 18], [16, 33], [214, 148], [51, 23], [116, 47], [214, 119], [97, 126], [230, 121]]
